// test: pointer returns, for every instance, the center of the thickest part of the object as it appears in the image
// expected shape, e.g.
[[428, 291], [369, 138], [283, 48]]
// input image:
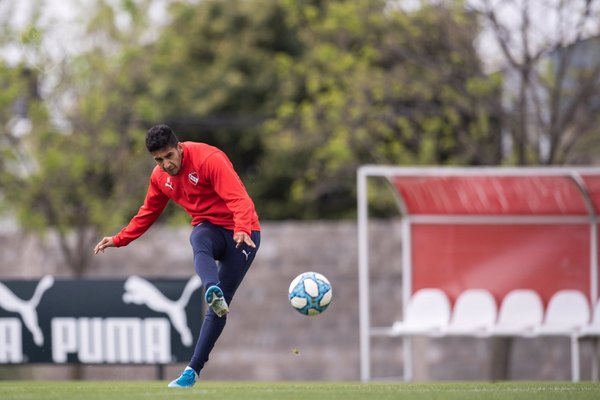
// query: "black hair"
[[159, 137]]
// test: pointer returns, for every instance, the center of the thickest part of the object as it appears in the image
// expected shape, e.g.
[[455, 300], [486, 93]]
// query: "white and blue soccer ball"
[[310, 293]]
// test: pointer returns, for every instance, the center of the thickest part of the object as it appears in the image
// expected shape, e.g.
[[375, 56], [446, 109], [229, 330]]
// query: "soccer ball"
[[310, 293]]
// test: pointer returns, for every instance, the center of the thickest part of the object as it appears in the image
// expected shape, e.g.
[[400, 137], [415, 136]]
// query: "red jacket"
[[207, 187]]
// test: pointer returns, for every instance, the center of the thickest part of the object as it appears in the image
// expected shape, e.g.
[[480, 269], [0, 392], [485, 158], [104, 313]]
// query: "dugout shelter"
[[494, 231]]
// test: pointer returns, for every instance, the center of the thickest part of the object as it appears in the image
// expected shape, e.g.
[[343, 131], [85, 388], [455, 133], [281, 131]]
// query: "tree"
[[374, 85], [14, 98], [206, 67], [550, 54], [214, 79], [83, 174]]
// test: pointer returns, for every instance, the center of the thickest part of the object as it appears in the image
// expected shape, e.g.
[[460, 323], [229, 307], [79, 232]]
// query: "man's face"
[[169, 159]]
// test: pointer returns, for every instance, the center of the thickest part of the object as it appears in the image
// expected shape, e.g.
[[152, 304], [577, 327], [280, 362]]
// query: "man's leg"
[[234, 263], [208, 245]]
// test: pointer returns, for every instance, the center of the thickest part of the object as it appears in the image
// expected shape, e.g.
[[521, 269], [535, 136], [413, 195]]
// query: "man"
[[201, 179]]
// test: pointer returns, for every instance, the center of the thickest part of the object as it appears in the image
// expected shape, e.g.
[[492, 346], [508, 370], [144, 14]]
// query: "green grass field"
[[127, 390]]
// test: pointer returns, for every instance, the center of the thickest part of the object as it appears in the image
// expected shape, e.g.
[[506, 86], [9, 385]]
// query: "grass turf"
[[128, 390]]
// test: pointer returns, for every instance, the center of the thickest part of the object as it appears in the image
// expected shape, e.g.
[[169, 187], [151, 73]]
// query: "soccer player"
[[202, 180]]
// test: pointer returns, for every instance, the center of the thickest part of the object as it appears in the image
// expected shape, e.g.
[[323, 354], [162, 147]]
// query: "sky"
[[549, 26], [63, 28], [62, 25]]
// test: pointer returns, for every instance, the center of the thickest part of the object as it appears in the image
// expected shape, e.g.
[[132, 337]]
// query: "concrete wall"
[[263, 330]]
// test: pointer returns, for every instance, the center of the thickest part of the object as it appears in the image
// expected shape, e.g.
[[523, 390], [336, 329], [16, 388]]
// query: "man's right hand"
[[103, 244], [241, 237]]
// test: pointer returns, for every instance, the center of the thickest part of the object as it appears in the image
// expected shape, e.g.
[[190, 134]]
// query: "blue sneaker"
[[214, 299], [186, 380]]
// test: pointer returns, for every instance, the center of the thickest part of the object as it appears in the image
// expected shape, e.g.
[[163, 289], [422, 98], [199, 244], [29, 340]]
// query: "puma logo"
[[139, 291], [246, 253], [27, 309], [169, 184]]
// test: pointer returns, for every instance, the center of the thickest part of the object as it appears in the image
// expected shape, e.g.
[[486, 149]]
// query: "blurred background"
[[299, 94]]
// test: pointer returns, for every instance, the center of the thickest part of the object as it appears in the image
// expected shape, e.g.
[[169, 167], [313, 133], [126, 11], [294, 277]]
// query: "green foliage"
[[373, 86], [213, 78], [86, 178], [13, 84]]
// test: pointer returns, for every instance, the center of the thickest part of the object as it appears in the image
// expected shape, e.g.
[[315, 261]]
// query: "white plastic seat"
[[567, 313], [427, 312], [521, 312], [474, 314], [593, 328]]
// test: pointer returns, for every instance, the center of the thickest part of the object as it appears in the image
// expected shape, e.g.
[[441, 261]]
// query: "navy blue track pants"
[[210, 244]]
